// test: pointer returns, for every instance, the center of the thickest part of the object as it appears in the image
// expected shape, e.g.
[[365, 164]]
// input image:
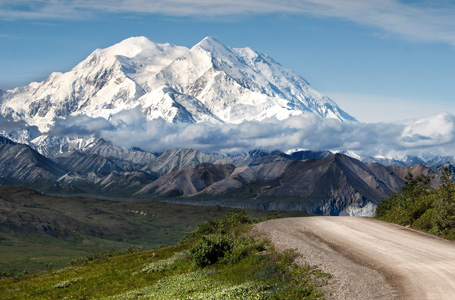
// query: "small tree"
[[444, 206], [406, 207], [415, 194]]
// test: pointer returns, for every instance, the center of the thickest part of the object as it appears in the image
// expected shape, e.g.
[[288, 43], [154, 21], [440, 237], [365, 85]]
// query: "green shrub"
[[422, 207], [211, 249], [236, 218], [450, 234], [444, 210], [408, 206], [208, 227], [9, 272], [243, 247], [425, 221], [220, 225]]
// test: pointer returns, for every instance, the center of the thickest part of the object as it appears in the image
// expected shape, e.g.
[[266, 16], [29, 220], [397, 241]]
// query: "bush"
[[408, 206], [9, 272], [220, 225], [211, 249], [444, 208], [243, 247], [425, 221], [422, 207], [209, 227]]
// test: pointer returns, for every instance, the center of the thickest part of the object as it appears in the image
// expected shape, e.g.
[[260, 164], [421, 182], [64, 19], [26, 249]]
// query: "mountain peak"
[[136, 40], [209, 82], [209, 40], [211, 44], [131, 47]]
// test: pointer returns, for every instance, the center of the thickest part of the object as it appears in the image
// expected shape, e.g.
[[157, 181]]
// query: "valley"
[[38, 231]]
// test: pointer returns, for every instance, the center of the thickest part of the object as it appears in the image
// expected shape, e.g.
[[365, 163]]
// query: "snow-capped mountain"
[[209, 82]]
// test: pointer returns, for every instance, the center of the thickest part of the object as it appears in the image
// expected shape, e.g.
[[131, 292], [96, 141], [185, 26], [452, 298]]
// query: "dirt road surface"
[[369, 259]]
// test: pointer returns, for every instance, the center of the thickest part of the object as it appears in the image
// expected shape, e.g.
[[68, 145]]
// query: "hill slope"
[[335, 185], [37, 229]]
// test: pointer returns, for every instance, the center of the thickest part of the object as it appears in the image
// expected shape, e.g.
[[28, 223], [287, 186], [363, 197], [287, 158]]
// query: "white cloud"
[[429, 135], [423, 20], [438, 129]]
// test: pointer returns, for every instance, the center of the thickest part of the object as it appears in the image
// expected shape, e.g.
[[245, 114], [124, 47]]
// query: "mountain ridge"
[[332, 184], [208, 82]]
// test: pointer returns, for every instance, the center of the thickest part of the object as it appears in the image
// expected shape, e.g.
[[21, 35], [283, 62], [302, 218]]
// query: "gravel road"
[[369, 259]]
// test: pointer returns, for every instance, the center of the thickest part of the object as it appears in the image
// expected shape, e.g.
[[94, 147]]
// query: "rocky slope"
[[332, 184], [19, 162], [336, 185]]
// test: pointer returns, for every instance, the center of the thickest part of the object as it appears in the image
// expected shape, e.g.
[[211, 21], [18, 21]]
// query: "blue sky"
[[381, 61]]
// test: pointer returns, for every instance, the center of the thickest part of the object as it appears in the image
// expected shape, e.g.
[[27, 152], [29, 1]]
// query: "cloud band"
[[423, 20]]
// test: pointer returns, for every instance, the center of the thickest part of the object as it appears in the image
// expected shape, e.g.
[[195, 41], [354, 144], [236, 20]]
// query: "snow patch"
[[354, 210]]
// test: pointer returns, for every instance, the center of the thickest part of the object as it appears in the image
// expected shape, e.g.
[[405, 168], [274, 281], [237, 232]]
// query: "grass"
[[78, 226], [250, 269]]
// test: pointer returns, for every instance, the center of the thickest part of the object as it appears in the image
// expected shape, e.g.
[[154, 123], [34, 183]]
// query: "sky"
[[381, 61]]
